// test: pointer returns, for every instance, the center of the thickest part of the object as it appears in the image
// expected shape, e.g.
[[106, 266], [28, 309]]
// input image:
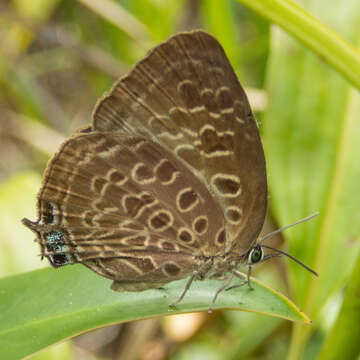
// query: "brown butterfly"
[[169, 180]]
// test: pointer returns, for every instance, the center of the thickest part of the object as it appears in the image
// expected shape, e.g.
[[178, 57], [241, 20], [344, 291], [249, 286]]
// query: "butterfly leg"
[[223, 286], [248, 277], [187, 287], [246, 280]]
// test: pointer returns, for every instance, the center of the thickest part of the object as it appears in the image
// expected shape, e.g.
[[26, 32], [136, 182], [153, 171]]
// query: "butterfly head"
[[257, 253]]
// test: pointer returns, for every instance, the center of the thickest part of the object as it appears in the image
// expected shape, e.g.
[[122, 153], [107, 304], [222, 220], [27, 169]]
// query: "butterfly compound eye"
[[256, 255]]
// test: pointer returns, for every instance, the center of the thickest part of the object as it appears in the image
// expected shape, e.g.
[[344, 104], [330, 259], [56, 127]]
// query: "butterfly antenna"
[[292, 258], [284, 253], [288, 226]]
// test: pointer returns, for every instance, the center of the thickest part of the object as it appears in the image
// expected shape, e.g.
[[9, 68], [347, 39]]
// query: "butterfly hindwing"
[[126, 208]]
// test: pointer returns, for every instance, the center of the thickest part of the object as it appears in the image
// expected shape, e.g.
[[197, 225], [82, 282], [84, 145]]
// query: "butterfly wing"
[[185, 96], [126, 208]]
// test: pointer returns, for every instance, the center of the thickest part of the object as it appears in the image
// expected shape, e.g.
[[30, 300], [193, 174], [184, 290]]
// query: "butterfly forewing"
[[185, 96]]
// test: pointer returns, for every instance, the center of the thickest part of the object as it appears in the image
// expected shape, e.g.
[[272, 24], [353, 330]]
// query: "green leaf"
[[250, 331], [347, 327], [222, 27], [55, 305], [312, 33], [312, 156], [116, 14], [38, 10], [13, 236]]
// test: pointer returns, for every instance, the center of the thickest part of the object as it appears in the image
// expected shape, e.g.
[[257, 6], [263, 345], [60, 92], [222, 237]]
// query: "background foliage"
[[57, 57]]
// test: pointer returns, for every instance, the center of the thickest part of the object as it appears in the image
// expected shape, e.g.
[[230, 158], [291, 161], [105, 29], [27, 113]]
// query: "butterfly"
[[169, 180]]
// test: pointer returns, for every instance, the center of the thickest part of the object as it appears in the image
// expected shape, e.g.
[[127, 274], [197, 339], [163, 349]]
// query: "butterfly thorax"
[[216, 267]]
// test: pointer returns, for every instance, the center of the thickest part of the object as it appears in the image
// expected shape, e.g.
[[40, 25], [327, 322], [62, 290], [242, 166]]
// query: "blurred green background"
[[57, 57]]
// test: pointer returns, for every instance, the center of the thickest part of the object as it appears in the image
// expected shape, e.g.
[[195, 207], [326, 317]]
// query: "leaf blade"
[[312, 33], [77, 300]]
